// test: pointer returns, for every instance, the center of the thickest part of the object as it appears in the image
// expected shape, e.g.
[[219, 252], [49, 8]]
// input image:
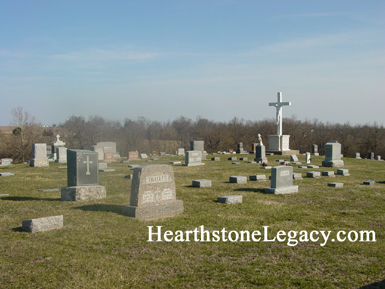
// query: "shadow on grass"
[[18, 199], [102, 208], [376, 285], [253, 190], [18, 229]]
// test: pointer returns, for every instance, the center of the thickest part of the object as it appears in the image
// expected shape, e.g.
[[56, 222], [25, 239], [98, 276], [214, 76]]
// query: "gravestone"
[[308, 158], [343, 172], [314, 150], [238, 179], [180, 152], [133, 156], [55, 144], [100, 152], [282, 181], [357, 156], [42, 224], [231, 199], [193, 158], [6, 162], [333, 155], [257, 178], [201, 183], [107, 147], [143, 156], [198, 145], [217, 159], [49, 153], [109, 157], [328, 174], [82, 177], [297, 176], [153, 193], [39, 155], [336, 185], [240, 149], [61, 155], [260, 151], [293, 158], [369, 182], [253, 148], [371, 156], [378, 158], [313, 174]]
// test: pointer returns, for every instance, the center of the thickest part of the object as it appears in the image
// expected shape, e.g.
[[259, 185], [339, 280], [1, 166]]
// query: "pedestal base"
[[81, 193], [39, 162], [338, 163], [284, 190], [154, 211]]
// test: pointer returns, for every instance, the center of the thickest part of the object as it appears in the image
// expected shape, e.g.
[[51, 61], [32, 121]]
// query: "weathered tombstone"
[[217, 159], [232, 159], [293, 158], [297, 176], [282, 181], [193, 158], [6, 162], [333, 155], [314, 150], [180, 152], [55, 144], [357, 156], [162, 153], [240, 149], [231, 199], [39, 155], [109, 157], [133, 156], [108, 147], [153, 193], [328, 174], [378, 158], [100, 152], [238, 179], [201, 183], [371, 156], [198, 145], [308, 158], [42, 224], [82, 177], [313, 174], [257, 178], [61, 155], [336, 185], [260, 151]]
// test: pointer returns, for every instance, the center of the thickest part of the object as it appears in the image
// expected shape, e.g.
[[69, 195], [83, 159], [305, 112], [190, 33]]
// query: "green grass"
[[98, 247]]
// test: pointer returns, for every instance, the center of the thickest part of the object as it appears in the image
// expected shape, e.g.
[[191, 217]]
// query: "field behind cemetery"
[[98, 247]]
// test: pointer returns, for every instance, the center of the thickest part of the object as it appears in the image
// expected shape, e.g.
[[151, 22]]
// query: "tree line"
[[149, 136]]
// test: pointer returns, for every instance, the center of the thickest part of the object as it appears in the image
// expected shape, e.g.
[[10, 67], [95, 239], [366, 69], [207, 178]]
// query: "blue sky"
[[212, 59]]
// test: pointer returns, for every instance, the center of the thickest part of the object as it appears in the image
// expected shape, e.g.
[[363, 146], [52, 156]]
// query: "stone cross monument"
[[279, 142]]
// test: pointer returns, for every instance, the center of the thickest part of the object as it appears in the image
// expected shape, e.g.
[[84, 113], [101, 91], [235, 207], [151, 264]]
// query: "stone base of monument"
[[283, 153], [39, 162], [336, 163], [315, 154], [80, 193], [284, 190], [154, 211]]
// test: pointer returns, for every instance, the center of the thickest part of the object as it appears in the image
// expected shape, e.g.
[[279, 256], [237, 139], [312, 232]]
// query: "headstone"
[[253, 148], [49, 151], [217, 159], [308, 158], [162, 153], [297, 176], [201, 183], [55, 144], [293, 158], [369, 182], [193, 158], [143, 156], [102, 166], [284, 163], [260, 151], [109, 157], [180, 152], [312, 167], [39, 155], [232, 199], [240, 149], [100, 152], [343, 172], [257, 178], [336, 185], [243, 159], [357, 156], [328, 174], [314, 150], [313, 174], [6, 174], [238, 179], [175, 162], [108, 147], [282, 181], [279, 142], [235, 163], [82, 177], [378, 158], [61, 155], [333, 155], [232, 159], [198, 145], [153, 193], [371, 156], [42, 224], [279, 161], [133, 156], [6, 162]]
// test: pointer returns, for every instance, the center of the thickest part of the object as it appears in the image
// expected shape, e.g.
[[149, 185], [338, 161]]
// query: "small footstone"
[[201, 183], [238, 179], [336, 185], [297, 176], [312, 167], [235, 163], [257, 178], [6, 174], [42, 224], [232, 199], [343, 172], [107, 170], [313, 174], [328, 174], [266, 167], [369, 182], [175, 163]]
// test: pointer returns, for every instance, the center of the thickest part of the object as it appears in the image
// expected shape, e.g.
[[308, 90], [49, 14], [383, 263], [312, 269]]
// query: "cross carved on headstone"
[[88, 162], [279, 104]]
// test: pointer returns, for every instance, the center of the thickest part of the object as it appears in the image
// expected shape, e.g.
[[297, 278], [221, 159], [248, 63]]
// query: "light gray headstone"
[[238, 179], [333, 155], [343, 172], [336, 185], [193, 158], [39, 155], [313, 174], [282, 181], [61, 155], [201, 183], [293, 158], [232, 199]]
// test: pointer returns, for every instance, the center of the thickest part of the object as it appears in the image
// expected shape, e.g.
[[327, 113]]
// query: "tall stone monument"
[[153, 193], [279, 143], [333, 155], [82, 177], [55, 144], [39, 155], [260, 151]]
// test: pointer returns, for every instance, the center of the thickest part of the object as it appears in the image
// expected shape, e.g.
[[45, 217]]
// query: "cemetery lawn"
[[98, 247]]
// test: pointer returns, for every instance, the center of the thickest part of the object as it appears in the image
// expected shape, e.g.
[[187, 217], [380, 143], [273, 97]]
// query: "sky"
[[210, 59]]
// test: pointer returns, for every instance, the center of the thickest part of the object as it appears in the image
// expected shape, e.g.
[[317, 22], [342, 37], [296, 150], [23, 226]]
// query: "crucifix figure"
[[278, 106], [88, 162]]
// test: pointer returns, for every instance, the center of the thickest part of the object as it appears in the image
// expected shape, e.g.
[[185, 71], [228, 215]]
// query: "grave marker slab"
[[193, 158], [357, 156], [297, 176], [314, 150], [238, 179], [313, 174], [42, 224], [232, 199], [369, 182], [328, 174], [336, 185], [201, 183], [257, 178], [293, 158], [153, 193], [282, 181], [343, 172], [61, 155]]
